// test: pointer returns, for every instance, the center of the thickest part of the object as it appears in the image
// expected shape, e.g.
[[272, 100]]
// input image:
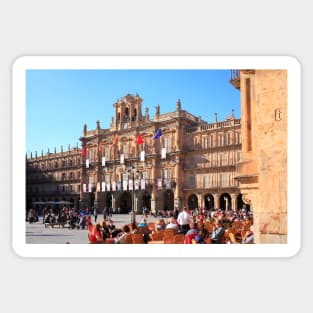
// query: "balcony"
[[235, 78]]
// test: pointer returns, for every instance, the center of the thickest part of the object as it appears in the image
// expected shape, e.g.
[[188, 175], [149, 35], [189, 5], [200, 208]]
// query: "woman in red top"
[[94, 234]]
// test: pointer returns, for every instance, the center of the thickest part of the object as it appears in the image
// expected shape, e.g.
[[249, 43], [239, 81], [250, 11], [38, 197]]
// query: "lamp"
[[132, 170]]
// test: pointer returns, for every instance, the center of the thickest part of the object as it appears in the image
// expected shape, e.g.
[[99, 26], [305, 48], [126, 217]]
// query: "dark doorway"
[[125, 202], [192, 202], [108, 200], [146, 199], [209, 202], [168, 200], [241, 204], [225, 202]]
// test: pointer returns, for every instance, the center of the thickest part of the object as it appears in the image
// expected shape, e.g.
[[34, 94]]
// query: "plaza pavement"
[[37, 233]]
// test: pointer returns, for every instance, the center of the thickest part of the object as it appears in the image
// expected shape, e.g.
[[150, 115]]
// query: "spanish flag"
[[115, 140], [139, 139], [100, 147], [84, 150]]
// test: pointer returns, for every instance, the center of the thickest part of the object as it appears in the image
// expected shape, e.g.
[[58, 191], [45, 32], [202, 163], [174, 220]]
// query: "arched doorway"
[[241, 204], [209, 202], [125, 202], [225, 202], [192, 202], [168, 200], [108, 200], [146, 200]]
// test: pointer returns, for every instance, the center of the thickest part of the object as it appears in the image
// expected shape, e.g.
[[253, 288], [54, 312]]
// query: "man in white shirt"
[[184, 220]]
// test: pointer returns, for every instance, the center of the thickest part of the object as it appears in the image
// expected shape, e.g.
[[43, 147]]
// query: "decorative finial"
[[98, 125], [215, 117], [85, 129], [178, 105], [157, 110], [55, 150], [147, 114], [233, 113]]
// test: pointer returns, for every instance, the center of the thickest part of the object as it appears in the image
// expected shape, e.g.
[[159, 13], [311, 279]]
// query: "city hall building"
[[172, 160]]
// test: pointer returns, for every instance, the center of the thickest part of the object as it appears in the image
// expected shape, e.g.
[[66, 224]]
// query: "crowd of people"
[[232, 226], [199, 226]]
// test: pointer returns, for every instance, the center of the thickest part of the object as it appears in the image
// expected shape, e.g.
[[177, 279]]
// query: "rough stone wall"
[[271, 105]]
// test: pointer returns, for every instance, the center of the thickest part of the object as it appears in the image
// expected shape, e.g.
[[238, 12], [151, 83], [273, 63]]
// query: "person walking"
[[184, 220], [95, 214]]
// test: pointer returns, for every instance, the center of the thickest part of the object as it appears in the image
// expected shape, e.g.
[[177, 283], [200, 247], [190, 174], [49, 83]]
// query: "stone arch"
[[225, 201], [108, 200], [125, 202], [241, 204], [168, 203], [193, 202], [209, 201]]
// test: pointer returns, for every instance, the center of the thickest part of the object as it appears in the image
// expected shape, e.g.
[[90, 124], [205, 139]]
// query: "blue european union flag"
[[158, 134]]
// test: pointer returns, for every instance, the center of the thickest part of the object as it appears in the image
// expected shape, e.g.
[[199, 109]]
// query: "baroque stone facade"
[[53, 177], [191, 164], [262, 171]]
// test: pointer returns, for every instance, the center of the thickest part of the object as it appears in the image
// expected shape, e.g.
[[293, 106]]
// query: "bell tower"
[[127, 112]]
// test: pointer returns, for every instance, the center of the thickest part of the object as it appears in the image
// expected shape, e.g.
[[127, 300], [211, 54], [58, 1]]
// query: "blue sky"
[[60, 102]]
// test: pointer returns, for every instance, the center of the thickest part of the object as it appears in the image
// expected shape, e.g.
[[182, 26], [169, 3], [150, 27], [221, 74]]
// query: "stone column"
[[154, 188], [114, 201], [216, 201], [233, 201]]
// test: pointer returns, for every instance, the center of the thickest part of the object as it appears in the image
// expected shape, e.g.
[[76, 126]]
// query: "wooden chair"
[[151, 226], [157, 236], [232, 237], [179, 239], [128, 239], [137, 238], [169, 235]]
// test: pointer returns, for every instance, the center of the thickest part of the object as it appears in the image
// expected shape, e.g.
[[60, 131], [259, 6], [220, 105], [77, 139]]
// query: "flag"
[[122, 159], [142, 156], [124, 184], [103, 186], [143, 184], [103, 161], [139, 139], [113, 185], [84, 150], [163, 153], [159, 183], [130, 184], [119, 185], [100, 147], [84, 188], [158, 134], [87, 163], [98, 187], [136, 184], [115, 140]]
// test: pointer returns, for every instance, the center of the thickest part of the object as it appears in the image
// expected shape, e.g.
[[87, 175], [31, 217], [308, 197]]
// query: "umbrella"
[[39, 202]]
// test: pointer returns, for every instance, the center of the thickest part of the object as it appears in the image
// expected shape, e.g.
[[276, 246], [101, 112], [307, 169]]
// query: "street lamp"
[[132, 171]]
